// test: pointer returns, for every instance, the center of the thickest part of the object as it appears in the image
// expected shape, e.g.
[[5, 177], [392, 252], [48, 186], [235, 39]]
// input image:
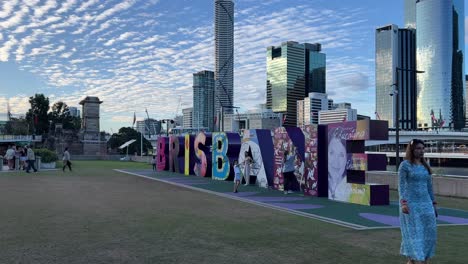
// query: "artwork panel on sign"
[[310, 176], [202, 148], [226, 147]]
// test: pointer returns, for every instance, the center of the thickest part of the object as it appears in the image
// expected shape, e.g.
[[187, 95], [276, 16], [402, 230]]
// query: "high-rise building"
[[315, 69], [410, 14], [74, 111], [149, 127], [395, 47], [263, 119], [440, 35], [187, 117], [203, 100], [337, 116], [224, 55], [341, 106], [466, 100], [308, 109], [293, 71]]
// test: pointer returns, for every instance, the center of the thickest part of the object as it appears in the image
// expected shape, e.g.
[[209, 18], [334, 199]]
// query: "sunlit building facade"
[[395, 47], [293, 71], [440, 44]]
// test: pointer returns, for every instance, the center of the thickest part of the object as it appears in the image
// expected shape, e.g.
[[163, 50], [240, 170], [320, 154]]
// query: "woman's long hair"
[[410, 154]]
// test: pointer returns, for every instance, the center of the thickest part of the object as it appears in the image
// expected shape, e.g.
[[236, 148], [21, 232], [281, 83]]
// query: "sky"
[[141, 54]]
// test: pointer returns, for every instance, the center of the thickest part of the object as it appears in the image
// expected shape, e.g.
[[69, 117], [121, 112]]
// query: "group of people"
[[288, 171], [27, 158], [20, 158], [418, 208]]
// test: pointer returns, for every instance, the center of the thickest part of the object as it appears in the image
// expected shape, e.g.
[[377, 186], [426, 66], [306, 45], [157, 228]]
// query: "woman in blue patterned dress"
[[417, 206]]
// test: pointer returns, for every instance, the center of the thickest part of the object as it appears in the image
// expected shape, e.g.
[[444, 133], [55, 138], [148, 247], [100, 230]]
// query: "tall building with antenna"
[[224, 55]]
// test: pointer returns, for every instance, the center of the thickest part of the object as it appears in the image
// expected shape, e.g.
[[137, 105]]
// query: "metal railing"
[[18, 138]]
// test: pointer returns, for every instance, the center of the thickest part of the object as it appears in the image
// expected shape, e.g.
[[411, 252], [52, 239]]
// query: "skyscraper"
[[410, 14], [308, 109], [293, 71], [395, 47], [224, 55], [203, 100], [439, 52], [315, 69]]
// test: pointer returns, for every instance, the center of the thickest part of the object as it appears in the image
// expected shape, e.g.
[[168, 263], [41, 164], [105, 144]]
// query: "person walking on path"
[[31, 159], [288, 171], [418, 210], [66, 160]]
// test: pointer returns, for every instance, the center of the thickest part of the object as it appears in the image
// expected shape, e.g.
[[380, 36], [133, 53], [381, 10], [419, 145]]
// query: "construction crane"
[[178, 106]]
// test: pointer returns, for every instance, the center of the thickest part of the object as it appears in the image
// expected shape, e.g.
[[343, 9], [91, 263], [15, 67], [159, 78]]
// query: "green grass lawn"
[[97, 215]]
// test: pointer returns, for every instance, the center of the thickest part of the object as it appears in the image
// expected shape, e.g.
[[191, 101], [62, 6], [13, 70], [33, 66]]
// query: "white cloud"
[[8, 7], [7, 46], [15, 19], [119, 7], [42, 10], [66, 6], [146, 59]]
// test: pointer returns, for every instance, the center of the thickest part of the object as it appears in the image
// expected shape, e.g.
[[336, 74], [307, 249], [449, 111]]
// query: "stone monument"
[[90, 133]]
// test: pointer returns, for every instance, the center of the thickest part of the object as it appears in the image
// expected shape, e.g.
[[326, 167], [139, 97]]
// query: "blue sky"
[[137, 54]]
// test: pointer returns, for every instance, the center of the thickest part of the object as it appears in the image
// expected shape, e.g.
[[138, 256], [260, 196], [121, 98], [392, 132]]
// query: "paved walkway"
[[354, 216]]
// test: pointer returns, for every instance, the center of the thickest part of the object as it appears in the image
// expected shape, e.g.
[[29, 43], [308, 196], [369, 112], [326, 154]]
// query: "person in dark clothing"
[[66, 160]]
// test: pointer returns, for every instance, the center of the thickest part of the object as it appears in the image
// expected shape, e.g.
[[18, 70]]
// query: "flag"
[[442, 123], [284, 118], [377, 115], [134, 118], [433, 117]]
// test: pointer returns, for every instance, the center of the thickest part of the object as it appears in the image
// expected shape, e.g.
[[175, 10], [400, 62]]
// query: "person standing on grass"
[[418, 210], [288, 171], [31, 159], [247, 166], [237, 175], [153, 162], [9, 156], [23, 159], [66, 160]]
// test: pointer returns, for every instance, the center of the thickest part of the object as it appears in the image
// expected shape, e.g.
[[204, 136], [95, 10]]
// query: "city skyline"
[[142, 54]]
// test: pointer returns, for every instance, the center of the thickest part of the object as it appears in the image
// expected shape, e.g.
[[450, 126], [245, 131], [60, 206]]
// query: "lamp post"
[[167, 121], [397, 112]]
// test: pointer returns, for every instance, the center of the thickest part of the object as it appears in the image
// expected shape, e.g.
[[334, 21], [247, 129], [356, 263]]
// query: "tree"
[[125, 134], [61, 114], [37, 115]]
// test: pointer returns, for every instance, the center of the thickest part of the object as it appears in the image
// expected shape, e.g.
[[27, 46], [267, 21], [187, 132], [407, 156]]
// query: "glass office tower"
[[395, 47], [293, 71], [439, 52], [410, 13], [203, 100]]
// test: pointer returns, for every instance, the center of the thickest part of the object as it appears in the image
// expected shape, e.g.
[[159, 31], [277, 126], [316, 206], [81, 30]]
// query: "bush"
[[46, 155]]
